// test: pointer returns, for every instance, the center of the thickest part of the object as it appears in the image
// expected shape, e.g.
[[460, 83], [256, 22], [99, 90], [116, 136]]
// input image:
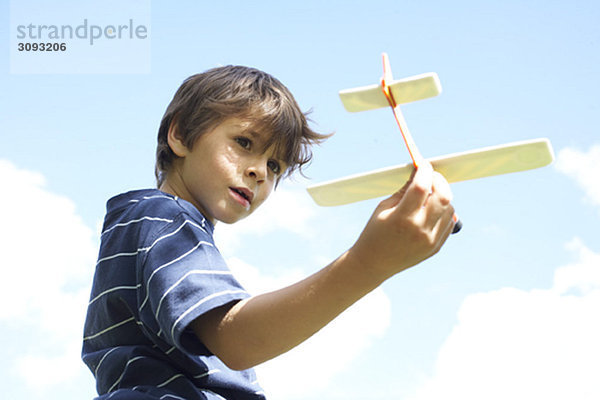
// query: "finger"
[[439, 200], [412, 175], [442, 187], [424, 175], [444, 227], [397, 196], [417, 191], [444, 217]]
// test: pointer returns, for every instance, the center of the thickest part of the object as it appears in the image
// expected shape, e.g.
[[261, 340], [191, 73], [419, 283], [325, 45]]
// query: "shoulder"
[[140, 201], [143, 220], [151, 205]]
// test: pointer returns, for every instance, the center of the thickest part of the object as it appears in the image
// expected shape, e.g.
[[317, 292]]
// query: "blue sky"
[[508, 308]]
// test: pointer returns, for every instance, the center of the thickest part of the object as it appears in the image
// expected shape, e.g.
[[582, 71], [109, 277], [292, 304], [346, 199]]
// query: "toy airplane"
[[480, 163]]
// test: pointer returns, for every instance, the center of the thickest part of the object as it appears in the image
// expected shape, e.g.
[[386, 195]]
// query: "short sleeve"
[[182, 276]]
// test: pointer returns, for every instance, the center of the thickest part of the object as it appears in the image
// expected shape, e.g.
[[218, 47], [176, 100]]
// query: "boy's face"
[[226, 174]]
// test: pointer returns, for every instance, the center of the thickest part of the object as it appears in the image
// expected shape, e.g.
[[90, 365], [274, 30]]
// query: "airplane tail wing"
[[404, 90]]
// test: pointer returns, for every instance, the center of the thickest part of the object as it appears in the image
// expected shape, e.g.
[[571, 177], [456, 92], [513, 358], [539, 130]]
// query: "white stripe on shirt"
[[133, 221], [187, 221], [212, 371], [102, 359], [108, 329], [187, 253], [158, 196], [171, 379], [135, 253], [114, 289], [123, 373], [193, 272], [142, 249], [171, 396]]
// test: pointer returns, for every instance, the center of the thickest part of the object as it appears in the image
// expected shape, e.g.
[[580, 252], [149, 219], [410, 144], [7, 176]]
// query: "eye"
[[244, 142], [274, 166]]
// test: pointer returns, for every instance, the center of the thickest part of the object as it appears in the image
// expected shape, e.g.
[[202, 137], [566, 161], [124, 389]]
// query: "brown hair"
[[207, 99]]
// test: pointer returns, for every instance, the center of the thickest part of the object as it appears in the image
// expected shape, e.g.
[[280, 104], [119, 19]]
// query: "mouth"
[[243, 196]]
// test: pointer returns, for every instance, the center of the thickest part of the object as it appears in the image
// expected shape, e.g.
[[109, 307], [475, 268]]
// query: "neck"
[[170, 185]]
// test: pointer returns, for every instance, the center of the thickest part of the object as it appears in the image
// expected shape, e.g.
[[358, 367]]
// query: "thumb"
[[395, 198]]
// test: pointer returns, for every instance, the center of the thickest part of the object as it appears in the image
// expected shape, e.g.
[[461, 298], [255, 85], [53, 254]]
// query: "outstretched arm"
[[405, 229]]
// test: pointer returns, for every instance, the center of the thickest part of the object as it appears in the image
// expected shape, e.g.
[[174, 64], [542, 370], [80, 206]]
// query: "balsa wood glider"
[[480, 163]]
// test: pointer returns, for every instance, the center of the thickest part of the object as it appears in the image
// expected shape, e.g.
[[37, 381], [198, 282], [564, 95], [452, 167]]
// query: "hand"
[[408, 227]]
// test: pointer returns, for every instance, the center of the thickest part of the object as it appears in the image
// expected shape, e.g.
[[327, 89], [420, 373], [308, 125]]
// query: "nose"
[[257, 169]]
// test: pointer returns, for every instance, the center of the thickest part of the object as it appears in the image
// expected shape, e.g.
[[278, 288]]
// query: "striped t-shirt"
[[158, 269]]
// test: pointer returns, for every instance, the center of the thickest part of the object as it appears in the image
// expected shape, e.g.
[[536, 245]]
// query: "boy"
[[166, 318]]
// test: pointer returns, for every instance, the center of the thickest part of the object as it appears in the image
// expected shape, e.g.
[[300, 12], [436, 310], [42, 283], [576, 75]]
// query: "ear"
[[175, 142]]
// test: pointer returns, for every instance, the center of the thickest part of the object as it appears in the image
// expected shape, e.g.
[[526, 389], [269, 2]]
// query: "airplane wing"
[[404, 90], [480, 163]]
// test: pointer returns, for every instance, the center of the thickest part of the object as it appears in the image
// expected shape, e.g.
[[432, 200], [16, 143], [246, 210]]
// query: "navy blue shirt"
[[158, 270]]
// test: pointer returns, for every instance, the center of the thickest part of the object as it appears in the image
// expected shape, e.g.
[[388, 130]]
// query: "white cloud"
[[48, 255], [43, 371], [582, 276], [584, 168], [328, 352], [517, 344], [535, 344]]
